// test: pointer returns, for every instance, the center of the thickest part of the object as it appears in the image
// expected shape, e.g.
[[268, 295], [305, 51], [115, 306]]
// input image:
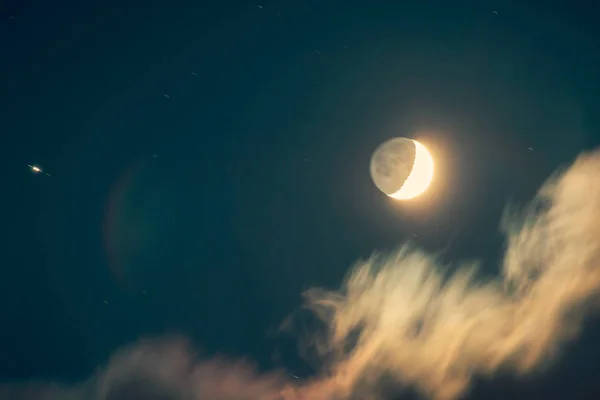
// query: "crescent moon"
[[420, 176]]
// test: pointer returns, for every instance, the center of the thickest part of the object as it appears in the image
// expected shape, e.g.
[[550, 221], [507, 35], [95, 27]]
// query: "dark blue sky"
[[210, 161]]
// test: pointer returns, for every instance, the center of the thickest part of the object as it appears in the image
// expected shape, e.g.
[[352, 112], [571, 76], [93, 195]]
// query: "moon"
[[402, 168]]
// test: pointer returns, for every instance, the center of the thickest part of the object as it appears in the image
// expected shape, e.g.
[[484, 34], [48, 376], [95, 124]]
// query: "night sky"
[[209, 162]]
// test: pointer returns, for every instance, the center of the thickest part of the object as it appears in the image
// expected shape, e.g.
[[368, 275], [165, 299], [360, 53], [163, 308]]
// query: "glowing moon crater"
[[402, 168]]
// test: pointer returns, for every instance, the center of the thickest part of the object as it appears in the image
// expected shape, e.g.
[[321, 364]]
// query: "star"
[[37, 170]]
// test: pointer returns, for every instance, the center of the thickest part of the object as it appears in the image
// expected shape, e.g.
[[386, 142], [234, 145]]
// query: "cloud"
[[405, 318]]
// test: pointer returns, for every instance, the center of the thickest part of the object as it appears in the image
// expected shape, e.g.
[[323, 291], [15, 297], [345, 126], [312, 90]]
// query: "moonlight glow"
[[402, 168], [420, 176]]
